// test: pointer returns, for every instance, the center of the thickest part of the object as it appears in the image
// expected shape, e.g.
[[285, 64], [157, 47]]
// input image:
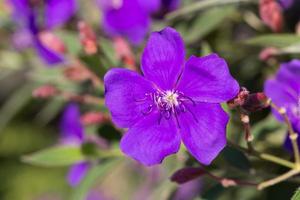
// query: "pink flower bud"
[[52, 42], [92, 118], [271, 14], [124, 53], [87, 38], [77, 73], [45, 91], [267, 53]]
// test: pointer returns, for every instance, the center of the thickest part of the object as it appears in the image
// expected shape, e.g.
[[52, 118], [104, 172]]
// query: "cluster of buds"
[[271, 14], [249, 102], [88, 38]]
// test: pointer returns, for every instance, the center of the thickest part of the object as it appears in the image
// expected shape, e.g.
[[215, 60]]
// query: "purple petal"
[[124, 94], [149, 141], [288, 144], [208, 79], [163, 58], [150, 6], [204, 131], [71, 128], [128, 19], [188, 191], [281, 95], [49, 56], [286, 4], [21, 10], [77, 173], [170, 5], [289, 74], [57, 12]]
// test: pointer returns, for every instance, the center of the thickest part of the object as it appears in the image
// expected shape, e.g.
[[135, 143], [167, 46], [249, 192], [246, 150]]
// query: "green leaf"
[[296, 196], [236, 158], [207, 22], [95, 173], [274, 40], [55, 156]]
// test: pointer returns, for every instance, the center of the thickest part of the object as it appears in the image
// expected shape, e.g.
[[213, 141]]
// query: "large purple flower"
[[72, 133], [56, 12], [174, 100], [132, 18], [284, 90]]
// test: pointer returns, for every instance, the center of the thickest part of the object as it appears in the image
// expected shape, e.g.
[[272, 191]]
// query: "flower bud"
[[45, 91], [268, 53], [77, 73], [255, 102], [240, 99], [271, 14], [92, 118], [87, 38], [124, 52], [52, 42]]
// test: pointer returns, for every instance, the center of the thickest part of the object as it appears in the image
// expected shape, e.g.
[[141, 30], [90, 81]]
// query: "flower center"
[[169, 103]]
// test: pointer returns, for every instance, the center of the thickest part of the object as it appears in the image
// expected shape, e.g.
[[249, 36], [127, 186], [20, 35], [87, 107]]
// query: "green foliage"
[[296, 196], [55, 156]]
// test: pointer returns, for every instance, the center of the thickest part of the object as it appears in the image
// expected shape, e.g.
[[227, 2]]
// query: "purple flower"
[[284, 90], [286, 4], [56, 13], [72, 133], [174, 101], [131, 18]]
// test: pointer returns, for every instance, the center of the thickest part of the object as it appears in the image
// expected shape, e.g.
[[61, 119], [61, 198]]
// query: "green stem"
[[265, 156], [200, 5]]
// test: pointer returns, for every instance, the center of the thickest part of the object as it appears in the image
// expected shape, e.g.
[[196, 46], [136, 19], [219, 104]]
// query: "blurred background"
[[28, 124]]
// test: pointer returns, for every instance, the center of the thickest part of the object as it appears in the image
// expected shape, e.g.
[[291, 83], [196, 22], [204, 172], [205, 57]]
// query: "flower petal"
[[163, 58], [289, 74], [71, 128], [150, 6], [125, 96], [49, 56], [57, 12], [208, 79], [281, 95], [149, 141], [77, 172], [204, 131], [128, 19]]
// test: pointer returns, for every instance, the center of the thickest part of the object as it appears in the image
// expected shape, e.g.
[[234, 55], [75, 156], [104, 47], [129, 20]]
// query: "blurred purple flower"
[[286, 4], [174, 100], [56, 12], [284, 90], [188, 191], [72, 133], [132, 18]]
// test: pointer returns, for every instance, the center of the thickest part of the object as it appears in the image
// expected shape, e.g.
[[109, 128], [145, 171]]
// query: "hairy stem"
[[292, 135], [278, 179], [264, 156]]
